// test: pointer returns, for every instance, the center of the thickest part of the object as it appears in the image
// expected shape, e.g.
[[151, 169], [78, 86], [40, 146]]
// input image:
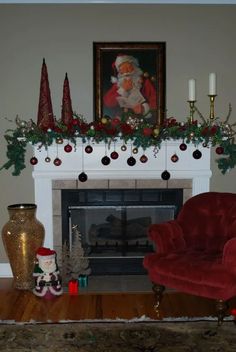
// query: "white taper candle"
[[192, 90], [212, 83]]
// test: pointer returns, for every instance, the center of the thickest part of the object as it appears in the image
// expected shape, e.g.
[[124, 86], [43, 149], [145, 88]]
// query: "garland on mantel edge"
[[128, 128]]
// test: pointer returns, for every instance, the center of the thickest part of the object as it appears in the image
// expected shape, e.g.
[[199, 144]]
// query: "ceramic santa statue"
[[46, 274]]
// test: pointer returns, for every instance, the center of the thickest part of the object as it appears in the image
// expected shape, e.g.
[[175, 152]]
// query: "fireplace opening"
[[113, 224]]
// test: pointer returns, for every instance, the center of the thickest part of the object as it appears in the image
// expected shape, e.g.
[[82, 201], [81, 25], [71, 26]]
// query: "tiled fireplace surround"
[[192, 175]]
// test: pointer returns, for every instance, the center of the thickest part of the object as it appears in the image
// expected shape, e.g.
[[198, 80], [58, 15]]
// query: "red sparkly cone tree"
[[45, 112], [66, 112]]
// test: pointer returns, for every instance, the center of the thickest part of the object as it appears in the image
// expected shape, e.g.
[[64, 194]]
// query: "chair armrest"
[[168, 237], [229, 254]]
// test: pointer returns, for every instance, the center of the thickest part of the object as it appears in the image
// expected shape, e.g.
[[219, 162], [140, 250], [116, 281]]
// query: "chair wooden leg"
[[221, 308], [158, 291]]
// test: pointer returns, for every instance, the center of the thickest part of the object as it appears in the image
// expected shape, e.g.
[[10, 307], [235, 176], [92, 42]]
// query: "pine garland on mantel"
[[128, 128]]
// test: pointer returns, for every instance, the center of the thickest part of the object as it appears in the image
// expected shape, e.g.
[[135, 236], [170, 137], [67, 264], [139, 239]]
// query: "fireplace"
[[189, 174], [113, 224]]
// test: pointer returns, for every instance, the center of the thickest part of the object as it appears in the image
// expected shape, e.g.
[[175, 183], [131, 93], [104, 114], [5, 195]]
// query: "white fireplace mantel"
[[73, 163]]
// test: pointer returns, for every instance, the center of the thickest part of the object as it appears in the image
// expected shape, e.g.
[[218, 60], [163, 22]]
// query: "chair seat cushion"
[[194, 272]]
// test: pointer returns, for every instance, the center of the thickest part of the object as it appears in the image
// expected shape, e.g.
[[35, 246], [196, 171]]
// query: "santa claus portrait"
[[132, 79]]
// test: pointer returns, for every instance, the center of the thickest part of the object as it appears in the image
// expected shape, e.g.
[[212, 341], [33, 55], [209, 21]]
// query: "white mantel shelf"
[[197, 170]]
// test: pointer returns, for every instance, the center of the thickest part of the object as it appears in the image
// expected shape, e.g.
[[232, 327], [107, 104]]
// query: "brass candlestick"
[[192, 109], [212, 106]]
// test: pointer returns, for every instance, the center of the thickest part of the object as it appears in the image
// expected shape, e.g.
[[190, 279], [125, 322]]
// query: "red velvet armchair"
[[196, 252]]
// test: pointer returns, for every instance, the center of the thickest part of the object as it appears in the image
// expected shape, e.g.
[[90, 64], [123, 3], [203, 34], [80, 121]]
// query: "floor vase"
[[22, 235]]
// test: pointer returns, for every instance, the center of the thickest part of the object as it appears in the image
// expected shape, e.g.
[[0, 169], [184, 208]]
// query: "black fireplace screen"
[[114, 224]]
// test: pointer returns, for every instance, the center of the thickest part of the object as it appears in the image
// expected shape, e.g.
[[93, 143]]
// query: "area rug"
[[197, 336]]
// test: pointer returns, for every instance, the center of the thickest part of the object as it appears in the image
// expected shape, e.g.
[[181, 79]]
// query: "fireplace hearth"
[[113, 224]]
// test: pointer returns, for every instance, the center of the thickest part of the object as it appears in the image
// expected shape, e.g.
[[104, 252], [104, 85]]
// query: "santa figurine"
[[46, 274]]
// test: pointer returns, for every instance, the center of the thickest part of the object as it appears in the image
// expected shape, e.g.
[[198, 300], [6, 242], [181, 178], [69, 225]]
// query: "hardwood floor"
[[24, 306]]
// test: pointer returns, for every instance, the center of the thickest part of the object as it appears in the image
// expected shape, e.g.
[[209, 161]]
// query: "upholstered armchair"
[[196, 252]]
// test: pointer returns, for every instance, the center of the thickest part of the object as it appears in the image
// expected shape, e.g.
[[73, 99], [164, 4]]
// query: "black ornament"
[[131, 161], [123, 148], [165, 175], [88, 149], [82, 177], [106, 160], [183, 146], [197, 154], [114, 155]]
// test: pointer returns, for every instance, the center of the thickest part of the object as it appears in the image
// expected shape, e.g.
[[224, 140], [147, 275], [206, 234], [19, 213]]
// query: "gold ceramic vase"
[[22, 235]]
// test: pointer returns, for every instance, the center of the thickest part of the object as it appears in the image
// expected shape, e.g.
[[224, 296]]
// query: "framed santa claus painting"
[[130, 79]]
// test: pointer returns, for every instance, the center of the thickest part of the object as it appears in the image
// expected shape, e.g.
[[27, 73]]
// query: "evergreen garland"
[[129, 128]]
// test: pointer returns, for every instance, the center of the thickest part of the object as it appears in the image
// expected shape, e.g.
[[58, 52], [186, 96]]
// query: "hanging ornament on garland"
[[174, 158], [219, 150], [135, 150], [114, 155], [68, 148], [131, 161], [197, 154], [143, 158], [59, 140], [183, 146], [88, 149], [165, 175], [47, 159], [106, 160], [123, 148], [57, 161], [82, 177], [33, 160]]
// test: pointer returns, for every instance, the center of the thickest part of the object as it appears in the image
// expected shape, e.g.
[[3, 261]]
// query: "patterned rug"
[[197, 336]]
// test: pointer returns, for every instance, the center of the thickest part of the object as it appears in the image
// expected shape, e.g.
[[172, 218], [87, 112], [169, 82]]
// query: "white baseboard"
[[5, 270]]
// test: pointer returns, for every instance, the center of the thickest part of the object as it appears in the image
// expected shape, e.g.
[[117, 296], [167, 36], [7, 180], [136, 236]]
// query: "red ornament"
[[114, 155], [45, 112], [88, 149], [147, 131], [68, 148], [219, 150], [57, 162], [143, 158], [183, 146], [33, 160], [174, 158]]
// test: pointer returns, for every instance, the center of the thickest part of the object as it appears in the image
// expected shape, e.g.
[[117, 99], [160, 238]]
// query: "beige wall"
[[200, 39]]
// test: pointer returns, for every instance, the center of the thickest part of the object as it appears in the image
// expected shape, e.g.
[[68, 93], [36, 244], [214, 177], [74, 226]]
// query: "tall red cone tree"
[[45, 111], [66, 111]]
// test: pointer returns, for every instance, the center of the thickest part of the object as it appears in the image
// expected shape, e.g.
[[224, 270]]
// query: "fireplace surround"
[[189, 174]]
